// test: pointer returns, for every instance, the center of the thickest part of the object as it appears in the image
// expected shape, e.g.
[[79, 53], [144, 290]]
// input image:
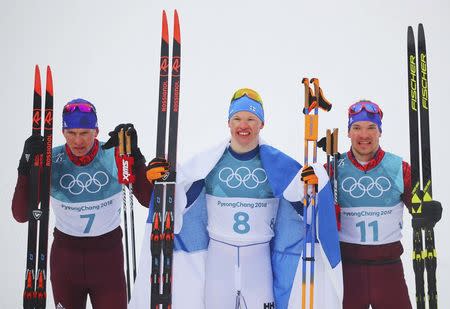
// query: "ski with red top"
[[35, 295], [162, 235]]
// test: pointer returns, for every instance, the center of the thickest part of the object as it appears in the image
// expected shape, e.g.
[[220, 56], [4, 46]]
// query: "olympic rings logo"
[[242, 176], [84, 181], [366, 185]]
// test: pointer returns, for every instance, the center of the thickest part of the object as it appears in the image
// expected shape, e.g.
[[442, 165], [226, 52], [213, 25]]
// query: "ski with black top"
[[35, 296], [421, 187], [162, 234]]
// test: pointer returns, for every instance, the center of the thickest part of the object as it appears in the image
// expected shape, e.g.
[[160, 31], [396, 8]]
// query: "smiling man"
[[373, 188], [238, 225]]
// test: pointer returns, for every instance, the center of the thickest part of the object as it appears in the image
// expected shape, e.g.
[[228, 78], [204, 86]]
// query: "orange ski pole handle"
[[328, 148], [128, 142], [335, 141], [321, 101], [121, 142]]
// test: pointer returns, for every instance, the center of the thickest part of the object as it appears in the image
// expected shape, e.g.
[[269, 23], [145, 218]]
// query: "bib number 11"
[[373, 225]]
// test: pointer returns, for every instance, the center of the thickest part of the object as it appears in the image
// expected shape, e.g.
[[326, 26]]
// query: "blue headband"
[[246, 104], [363, 115]]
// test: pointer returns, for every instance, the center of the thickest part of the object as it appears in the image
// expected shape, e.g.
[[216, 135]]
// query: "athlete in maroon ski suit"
[[93, 264], [373, 188]]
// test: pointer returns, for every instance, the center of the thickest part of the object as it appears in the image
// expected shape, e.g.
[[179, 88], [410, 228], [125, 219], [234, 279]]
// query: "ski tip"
[[421, 35], [176, 28], [410, 36], [49, 82], [165, 30], [37, 80]]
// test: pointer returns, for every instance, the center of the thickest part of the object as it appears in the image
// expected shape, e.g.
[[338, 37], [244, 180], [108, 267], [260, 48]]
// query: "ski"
[[162, 235], [35, 296], [430, 251], [29, 294], [418, 102]]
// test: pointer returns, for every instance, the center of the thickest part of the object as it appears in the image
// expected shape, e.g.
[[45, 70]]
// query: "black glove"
[[113, 141], [431, 214], [322, 143], [32, 146], [157, 169]]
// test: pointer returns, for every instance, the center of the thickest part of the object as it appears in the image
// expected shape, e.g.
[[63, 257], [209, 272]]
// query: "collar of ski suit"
[[83, 160], [371, 164]]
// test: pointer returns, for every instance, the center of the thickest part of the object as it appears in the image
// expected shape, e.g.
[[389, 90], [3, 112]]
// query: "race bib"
[[91, 218], [241, 220], [371, 225]]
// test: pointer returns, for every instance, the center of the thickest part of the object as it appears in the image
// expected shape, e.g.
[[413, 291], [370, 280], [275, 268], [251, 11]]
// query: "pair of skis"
[[421, 188], [34, 295], [313, 101], [127, 178], [162, 235]]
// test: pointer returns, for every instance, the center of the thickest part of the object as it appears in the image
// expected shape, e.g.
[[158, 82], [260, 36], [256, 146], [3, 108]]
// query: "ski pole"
[[124, 204], [335, 137], [130, 187], [312, 102], [308, 130], [328, 150]]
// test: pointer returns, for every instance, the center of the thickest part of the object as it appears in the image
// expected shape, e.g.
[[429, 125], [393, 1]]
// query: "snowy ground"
[[108, 52]]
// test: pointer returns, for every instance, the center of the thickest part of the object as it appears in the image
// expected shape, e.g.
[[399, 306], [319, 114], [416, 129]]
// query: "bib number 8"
[[241, 225]]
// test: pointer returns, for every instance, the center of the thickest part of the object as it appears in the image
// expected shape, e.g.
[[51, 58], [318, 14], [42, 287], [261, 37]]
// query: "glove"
[[32, 146], [157, 169], [322, 143], [308, 176], [431, 214], [129, 129]]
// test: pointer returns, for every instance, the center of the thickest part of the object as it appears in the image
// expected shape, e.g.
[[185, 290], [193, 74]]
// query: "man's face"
[[80, 141], [365, 138], [244, 128]]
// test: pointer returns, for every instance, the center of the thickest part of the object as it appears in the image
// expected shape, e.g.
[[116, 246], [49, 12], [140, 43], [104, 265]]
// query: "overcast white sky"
[[108, 52]]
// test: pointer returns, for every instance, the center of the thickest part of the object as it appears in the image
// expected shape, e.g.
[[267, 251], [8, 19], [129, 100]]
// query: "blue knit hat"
[[79, 114]]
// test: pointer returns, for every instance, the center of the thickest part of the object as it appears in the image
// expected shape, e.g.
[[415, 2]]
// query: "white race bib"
[[91, 218], [241, 220], [371, 225]]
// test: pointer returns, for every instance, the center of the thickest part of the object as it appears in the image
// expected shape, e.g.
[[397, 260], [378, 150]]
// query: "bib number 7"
[[90, 218]]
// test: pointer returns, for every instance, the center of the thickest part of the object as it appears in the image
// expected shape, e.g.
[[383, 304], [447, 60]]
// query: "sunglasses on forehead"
[[249, 93], [82, 107], [370, 107]]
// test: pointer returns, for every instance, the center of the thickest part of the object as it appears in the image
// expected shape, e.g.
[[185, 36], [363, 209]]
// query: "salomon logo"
[[59, 306], [269, 305]]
